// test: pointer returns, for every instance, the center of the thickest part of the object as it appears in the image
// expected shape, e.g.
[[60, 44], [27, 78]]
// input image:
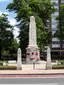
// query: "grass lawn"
[[61, 60], [4, 61], [7, 67], [58, 66]]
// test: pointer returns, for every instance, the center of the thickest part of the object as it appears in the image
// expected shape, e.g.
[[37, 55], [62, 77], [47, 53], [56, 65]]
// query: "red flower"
[[32, 53], [36, 53]]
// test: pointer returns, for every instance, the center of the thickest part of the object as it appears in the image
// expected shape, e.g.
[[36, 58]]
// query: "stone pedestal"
[[19, 61], [48, 64], [32, 50], [33, 54]]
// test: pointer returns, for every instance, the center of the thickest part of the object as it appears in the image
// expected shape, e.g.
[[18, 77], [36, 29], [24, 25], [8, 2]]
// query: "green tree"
[[60, 27], [6, 35], [13, 47], [41, 9]]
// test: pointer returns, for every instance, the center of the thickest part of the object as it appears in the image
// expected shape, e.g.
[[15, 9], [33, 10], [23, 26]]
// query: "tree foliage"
[[60, 27], [6, 35], [41, 9]]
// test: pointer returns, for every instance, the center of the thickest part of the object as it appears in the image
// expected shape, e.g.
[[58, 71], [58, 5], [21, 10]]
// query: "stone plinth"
[[33, 54]]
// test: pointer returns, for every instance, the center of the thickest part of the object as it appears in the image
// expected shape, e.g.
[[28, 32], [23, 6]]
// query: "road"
[[39, 81]]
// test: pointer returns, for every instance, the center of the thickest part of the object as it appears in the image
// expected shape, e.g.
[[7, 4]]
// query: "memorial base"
[[33, 54], [48, 67], [19, 68]]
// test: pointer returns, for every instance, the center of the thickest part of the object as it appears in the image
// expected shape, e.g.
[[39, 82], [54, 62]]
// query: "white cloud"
[[16, 30], [12, 21], [0, 13], [3, 0], [3, 12]]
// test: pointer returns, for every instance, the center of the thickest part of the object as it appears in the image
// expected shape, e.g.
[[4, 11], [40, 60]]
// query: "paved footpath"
[[28, 71], [31, 73], [61, 71]]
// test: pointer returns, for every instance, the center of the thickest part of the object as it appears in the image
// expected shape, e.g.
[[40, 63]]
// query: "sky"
[[11, 15]]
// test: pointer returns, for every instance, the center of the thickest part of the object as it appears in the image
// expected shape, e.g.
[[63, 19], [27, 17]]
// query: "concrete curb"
[[37, 74]]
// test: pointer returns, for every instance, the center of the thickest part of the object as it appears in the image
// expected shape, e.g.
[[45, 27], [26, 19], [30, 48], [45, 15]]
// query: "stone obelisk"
[[19, 61], [48, 64], [32, 50]]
